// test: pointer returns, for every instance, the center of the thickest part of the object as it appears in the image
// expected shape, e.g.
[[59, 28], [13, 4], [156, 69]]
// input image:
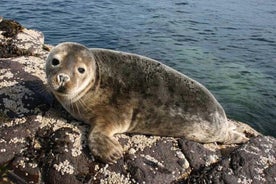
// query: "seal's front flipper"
[[107, 148]]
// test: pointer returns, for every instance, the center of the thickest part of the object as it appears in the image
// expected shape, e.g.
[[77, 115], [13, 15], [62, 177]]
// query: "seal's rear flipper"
[[239, 132]]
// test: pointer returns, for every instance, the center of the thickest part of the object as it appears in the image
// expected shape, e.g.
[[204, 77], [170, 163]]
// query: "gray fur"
[[136, 94]]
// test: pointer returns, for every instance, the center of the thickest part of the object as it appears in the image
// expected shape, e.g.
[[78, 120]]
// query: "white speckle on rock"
[[220, 168], [30, 40], [33, 165], [5, 73], [37, 144], [250, 149], [266, 161], [180, 155], [3, 141], [3, 150], [255, 149], [113, 177], [154, 160], [14, 122], [244, 180], [64, 167], [52, 119], [75, 137], [6, 84], [16, 140], [211, 159], [36, 67], [260, 176], [186, 164], [22, 163], [132, 151], [138, 142], [13, 100], [229, 171], [76, 140], [97, 167]]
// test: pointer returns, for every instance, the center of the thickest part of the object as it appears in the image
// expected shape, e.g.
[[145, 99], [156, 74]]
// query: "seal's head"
[[70, 71]]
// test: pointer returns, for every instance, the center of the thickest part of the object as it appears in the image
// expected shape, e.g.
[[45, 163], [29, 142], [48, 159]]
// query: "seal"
[[117, 92]]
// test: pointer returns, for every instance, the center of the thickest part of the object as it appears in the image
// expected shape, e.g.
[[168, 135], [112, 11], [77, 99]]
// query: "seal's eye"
[[81, 70], [55, 62]]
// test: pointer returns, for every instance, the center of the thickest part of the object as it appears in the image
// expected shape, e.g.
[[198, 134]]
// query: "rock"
[[16, 40], [41, 143], [253, 162], [197, 155]]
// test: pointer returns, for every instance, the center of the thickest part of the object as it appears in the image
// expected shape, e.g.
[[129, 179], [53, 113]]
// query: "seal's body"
[[117, 92]]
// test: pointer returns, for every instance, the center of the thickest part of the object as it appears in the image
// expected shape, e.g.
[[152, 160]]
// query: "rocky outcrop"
[[253, 162], [41, 143]]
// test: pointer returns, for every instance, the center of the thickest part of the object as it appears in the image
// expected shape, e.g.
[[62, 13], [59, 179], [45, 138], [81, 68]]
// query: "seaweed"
[[10, 28], [9, 49]]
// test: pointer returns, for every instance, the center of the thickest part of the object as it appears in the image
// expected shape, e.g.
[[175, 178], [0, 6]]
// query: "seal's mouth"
[[61, 89], [57, 87]]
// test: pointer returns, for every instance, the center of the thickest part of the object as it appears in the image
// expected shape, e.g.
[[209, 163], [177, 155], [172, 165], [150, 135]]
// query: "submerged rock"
[[41, 143]]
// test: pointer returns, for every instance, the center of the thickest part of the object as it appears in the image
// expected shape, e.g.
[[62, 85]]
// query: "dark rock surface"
[[41, 143], [253, 162]]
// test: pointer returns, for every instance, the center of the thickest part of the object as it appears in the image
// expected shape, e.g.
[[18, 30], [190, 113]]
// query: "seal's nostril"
[[62, 78]]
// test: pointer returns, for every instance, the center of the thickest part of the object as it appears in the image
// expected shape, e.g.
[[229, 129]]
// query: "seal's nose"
[[62, 78]]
